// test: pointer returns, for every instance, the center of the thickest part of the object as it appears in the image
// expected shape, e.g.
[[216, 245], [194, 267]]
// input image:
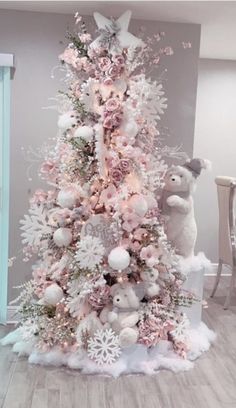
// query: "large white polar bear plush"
[[177, 204]]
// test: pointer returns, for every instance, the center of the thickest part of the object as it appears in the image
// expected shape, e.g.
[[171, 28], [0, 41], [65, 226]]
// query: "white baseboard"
[[12, 315]]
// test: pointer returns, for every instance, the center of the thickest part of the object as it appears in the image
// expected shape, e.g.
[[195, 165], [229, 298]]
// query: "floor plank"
[[211, 384]]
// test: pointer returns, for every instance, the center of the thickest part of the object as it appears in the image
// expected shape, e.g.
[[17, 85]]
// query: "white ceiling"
[[218, 18]]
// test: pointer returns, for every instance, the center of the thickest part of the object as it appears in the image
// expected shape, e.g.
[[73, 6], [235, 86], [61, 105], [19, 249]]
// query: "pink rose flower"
[[124, 166], [108, 81], [135, 246], [70, 56], [116, 175], [150, 255], [85, 37], [118, 60], [139, 233], [122, 142], [113, 120], [39, 197], [113, 71], [48, 169], [108, 195], [108, 123], [104, 63], [131, 220], [112, 104]]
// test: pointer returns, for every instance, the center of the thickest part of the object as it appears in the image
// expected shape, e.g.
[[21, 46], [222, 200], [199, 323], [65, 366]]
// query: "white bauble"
[[151, 201], [85, 133], [138, 203], [119, 259], [67, 120], [53, 294], [130, 127], [62, 237], [67, 197]]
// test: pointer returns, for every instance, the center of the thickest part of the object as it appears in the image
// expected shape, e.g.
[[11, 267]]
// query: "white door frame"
[[6, 62]]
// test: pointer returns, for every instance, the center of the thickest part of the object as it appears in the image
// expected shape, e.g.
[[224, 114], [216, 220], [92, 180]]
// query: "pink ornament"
[[112, 104], [70, 56], [108, 195], [99, 297], [131, 220], [150, 255]]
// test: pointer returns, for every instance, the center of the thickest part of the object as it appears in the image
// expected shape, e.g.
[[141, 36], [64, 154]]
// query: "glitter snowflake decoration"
[[90, 252], [180, 331], [35, 226], [104, 347]]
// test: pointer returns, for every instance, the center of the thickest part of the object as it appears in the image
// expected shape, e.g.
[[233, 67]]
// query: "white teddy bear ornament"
[[124, 316], [149, 277], [177, 204]]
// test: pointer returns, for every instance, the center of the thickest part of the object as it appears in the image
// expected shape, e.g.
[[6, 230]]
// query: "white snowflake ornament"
[[104, 347], [35, 226], [90, 252]]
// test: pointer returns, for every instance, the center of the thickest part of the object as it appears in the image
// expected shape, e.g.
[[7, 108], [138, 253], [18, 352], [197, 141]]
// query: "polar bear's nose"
[[173, 179], [117, 299]]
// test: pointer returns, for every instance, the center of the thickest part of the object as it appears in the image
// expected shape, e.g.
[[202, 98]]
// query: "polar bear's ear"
[[132, 298]]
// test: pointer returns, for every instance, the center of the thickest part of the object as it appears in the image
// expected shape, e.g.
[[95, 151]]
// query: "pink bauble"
[[62, 237]]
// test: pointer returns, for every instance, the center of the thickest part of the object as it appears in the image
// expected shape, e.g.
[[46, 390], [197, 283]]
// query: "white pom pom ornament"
[[62, 237], [138, 203], [67, 120], [129, 127], [53, 294], [119, 259], [85, 133], [67, 197]]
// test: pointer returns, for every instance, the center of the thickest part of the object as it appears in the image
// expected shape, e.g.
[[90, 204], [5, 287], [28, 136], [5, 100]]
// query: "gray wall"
[[215, 139], [35, 38]]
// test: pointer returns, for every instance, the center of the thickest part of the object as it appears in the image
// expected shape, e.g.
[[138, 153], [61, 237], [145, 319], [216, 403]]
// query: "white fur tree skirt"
[[134, 359]]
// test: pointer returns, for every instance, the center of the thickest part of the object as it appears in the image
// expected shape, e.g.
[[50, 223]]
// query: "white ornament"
[[35, 225], [90, 252], [104, 347], [67, 197], [67, 120], [119, 259], [53, 294], [116, 30], [180, 331], [62, 237], [129, 126], [85, 133], [138, 203]]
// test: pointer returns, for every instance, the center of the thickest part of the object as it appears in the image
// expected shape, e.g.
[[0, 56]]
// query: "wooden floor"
[[211, 384]]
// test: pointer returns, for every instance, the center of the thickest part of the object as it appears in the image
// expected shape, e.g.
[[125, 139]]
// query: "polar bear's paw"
[[174, 201], [128, 336]]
